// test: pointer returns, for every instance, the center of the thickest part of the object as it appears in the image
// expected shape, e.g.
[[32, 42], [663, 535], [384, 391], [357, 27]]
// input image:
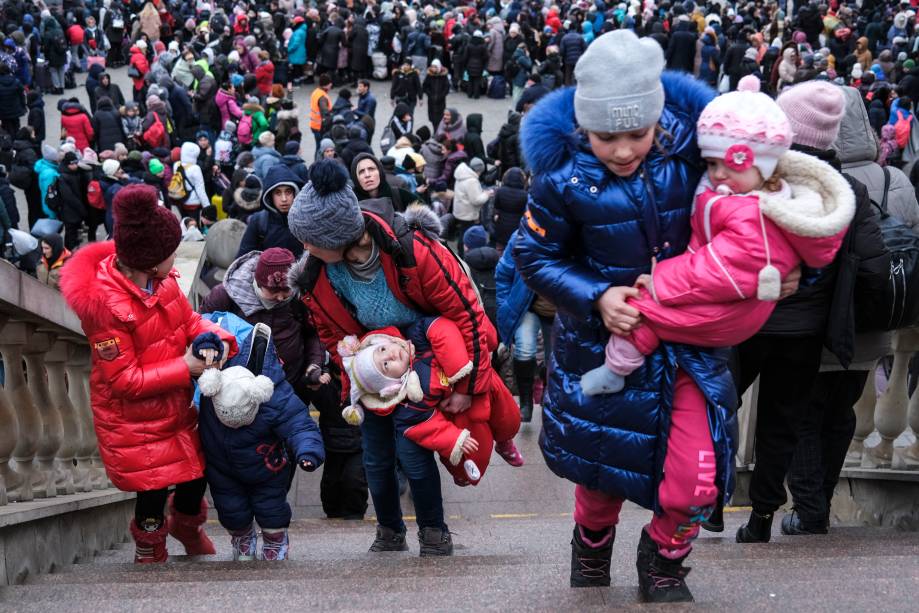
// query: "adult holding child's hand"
[[140, 325]]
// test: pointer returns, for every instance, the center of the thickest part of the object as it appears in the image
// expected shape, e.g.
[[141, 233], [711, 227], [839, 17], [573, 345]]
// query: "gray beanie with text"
[[326, 213], [619, 83]]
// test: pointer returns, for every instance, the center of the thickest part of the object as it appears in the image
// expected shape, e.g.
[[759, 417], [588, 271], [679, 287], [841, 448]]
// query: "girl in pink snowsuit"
[[760, 211]]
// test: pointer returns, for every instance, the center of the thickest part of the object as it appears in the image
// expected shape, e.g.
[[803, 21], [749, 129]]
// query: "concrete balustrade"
[[55, 366]]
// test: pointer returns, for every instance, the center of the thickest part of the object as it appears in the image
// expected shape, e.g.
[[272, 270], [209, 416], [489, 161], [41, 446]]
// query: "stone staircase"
[[501, 563]]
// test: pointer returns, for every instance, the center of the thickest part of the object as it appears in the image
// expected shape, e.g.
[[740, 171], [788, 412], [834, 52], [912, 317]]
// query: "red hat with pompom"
[[145, 233]]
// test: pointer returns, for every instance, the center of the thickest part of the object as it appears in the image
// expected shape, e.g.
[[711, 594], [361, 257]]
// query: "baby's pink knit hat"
[[815, 110], [745, 128]]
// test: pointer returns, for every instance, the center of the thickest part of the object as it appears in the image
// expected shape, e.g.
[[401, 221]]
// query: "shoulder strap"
[[886, 187]]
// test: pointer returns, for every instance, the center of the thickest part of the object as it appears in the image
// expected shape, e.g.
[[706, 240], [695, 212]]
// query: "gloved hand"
[[307, 466]]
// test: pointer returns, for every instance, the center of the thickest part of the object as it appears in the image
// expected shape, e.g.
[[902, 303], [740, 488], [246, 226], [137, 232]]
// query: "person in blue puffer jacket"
[[254, 430], [615, 196]]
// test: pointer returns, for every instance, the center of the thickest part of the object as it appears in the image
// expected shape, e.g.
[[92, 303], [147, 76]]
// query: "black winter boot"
[[758, 529], [388, 540], [660, 579], [435, 542], [524, 375], [715, 521], [793, 525], [590, 565]]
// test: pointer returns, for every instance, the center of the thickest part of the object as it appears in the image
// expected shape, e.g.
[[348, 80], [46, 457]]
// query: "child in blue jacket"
[[253, 429]]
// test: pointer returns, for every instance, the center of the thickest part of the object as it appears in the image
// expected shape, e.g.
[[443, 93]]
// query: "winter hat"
[[815, 110], [271, 268], [370, 387], [325, 212], [744, 128], [141, 44], [899, 21], [475, 237], [120, 150], [477, 165], [110, 167], [857, 71], [632, 101], [909, 64], [49, 153], [90, 157], [155, 166], [266, 139], [292, 147], [70, 158], [236, 393], [145, 233]]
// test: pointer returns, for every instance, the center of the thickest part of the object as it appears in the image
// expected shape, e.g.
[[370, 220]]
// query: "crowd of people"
[[404, 277]]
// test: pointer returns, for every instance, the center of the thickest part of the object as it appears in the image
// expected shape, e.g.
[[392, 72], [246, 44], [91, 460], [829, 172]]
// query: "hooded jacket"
[[573, 200], [12, 97], [139, 61], [455, 129], [75, 120], [510, 203], [229, 108], [468, 195], [188, 159], [268, 227], [107, 125], [140, 386], [421, 273]]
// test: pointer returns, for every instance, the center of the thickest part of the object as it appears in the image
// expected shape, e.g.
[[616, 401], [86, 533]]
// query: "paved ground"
[[512, 553], [494, 111]]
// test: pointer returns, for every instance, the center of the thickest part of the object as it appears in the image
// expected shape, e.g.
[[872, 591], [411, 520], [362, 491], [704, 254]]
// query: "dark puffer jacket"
[[615, 443], [510, 203], [107, 126], [12, 97], [268, 227], [255, 458]]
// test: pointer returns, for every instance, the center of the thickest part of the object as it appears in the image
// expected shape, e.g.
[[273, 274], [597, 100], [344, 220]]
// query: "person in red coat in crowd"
[[139, 325], [140, 64], [76, 123], [264, 73], [408, 378]]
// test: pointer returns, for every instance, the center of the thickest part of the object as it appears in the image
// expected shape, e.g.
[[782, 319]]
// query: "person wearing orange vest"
[[321, 108]]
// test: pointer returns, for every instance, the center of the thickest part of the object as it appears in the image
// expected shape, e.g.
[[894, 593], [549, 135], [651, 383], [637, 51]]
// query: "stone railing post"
[[77, 390], [10, 480], [100, 480], [864, 419], [56, 365], [51, 431], [13, 338], [890, 414]]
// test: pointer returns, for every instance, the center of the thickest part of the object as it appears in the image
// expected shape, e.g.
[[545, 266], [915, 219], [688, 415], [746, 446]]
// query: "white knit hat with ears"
[[236, 393], [745, 128], [370, 387]]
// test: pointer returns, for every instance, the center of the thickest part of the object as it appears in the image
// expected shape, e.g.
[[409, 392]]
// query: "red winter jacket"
[[423, 275], [140, 387], [77, 124], [264, 77], [139, 61]]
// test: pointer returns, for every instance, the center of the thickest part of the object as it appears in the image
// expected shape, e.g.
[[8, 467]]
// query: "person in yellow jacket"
[[321, 108]]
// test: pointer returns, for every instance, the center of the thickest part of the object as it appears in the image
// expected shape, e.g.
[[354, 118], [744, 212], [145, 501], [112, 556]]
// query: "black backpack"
[[53, 198], [898, 307]]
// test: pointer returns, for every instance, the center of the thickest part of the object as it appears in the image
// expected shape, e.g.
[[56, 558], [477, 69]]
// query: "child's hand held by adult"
[[456, 403], [618, 317], [790, 283]]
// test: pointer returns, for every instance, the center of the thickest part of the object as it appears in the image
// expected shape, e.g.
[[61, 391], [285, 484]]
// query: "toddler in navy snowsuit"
[[253, 429]]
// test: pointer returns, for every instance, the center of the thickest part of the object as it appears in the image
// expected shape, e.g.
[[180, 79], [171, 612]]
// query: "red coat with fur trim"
[[140, 387], [422, 274]]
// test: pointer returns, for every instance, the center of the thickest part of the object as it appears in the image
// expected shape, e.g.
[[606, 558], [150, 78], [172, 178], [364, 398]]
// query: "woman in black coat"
[[476, 58], [27, 151], [107, 126], [107, 89], [510, 203], [359, 44], [12, 100], [72, 186], [330, 41]]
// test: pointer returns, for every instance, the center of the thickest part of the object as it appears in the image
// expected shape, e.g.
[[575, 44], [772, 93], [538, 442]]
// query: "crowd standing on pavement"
[[507, 262]]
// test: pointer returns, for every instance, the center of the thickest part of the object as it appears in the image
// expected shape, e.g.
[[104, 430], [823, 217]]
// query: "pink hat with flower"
[[745, 128]]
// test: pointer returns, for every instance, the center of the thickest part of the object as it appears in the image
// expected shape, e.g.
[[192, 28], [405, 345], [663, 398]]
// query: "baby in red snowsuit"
[[409, 375], [759, 212]]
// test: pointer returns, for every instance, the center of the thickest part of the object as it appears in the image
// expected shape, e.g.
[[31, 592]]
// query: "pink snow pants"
[[687, 491]]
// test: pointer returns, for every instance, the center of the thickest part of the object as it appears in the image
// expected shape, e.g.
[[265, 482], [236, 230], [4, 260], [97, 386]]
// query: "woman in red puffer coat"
[[139, 324], [140, 64]]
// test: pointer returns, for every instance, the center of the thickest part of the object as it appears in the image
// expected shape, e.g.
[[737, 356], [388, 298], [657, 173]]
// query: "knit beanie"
[[271, 268], [110, 167], [155, 166], [145, 233], [266, 139], [475, 237], [236, 393], [326, 213], [815, 110], [631, 101], [744, 128]]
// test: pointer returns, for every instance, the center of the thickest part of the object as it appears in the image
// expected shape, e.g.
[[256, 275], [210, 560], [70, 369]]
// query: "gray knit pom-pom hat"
[[326, 213], [619, 83]]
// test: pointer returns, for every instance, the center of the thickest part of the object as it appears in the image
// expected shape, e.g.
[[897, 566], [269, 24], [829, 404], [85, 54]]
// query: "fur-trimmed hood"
[[821, 204], [287, 114], [549, 136], [420, 217]]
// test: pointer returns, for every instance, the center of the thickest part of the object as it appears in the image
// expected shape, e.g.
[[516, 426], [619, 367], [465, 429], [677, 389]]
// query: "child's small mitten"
[[207, 340], [353, 415]]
